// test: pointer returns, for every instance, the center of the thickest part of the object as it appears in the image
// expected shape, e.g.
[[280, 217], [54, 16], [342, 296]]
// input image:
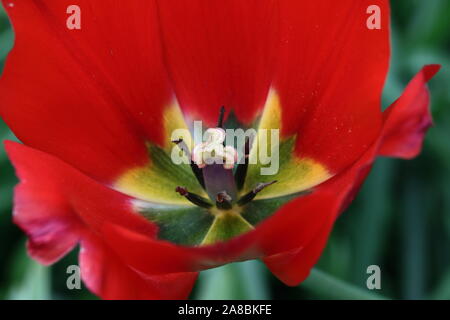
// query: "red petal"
[[58, 207], [404, 128], [53, 200], [220, 53], [41, 211], [52, 231], [89, 96], [107, 276], [407, 119], [293, 266], [103, 72], [330, 78], [292, 239]]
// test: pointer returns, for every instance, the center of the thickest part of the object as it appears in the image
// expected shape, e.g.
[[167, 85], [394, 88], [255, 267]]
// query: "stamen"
[[195, 169], [212, 163], [213, 151], [241, 170], [183, 146], [223, 201], [221, 115], [192, 197], [252, 194]]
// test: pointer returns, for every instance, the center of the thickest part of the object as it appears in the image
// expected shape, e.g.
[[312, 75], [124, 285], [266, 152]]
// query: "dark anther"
[[192, 197], [223, 201], [252, 194], [221, 115], [183, 146], [241, 169], [195, 169]]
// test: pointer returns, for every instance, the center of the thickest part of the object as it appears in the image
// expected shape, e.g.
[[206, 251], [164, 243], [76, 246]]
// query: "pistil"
[[216, 162], [218, 179], [242, 167], [223, 201], [192, 197], [195, 169], [252, 194], [213, 163]]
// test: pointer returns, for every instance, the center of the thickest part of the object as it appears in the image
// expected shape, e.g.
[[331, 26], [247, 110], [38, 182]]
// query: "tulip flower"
[[96, 107]]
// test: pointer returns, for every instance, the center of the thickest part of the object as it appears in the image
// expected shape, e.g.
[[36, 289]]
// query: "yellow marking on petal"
[[175, 127], [299, 174], [226, 225], [147, 184], [156, 181], [271, 117], [294, 174]]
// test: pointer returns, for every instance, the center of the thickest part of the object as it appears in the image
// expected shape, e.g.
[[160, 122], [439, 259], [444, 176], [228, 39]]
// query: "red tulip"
[[94, 107]]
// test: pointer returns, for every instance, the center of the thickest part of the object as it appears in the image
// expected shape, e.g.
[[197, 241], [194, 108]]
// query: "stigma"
[[212, 162], [213, 150]]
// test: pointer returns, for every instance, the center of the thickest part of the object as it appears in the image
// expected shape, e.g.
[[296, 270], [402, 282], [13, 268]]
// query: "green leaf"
[[32, 280], [413, 241], [325, 286], [375, 214], [442, 291], [7, 38], [244, 280]]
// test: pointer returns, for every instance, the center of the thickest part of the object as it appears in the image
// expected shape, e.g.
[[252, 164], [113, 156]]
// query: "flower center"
[[228, 182], [215, 166]]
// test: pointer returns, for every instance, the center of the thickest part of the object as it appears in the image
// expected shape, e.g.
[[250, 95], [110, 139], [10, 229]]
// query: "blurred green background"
[[399, 221]]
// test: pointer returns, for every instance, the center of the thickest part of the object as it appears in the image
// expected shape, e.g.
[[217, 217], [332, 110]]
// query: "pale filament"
[[212, 151]]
